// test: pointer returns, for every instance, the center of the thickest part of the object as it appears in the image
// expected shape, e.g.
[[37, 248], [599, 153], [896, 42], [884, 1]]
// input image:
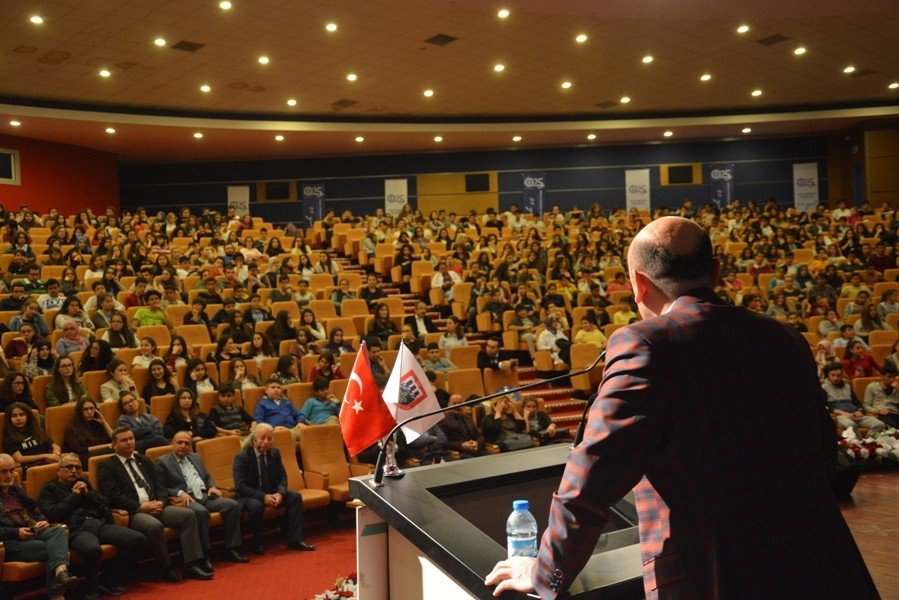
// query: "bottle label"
[[522, 546]]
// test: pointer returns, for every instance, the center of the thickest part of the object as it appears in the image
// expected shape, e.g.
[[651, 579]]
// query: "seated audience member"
[[525, 326], [130, 482], [461, 433], [146, 353], [504, 426], [420, 322], [282, 329], [847, 336], [496, 307], [441, 394], [186, 416], [372, 293], [454, 337], [489, 357], [323, 407], [106, 307], [444, 279], [197, 316], [589, 333], [303, 345], [277, 411], [882, 397], [260, 481], [286, 371], [65, 386], [15, 389], [831, 323], [31, 316], [198, 379], [41, 360], [225, 350], [241, 379], [824, 355], [72, 340], [160, 381], [858, 305], [139, 296], [794, 321], [223, 315], [336, 344], [256, 313], [342, 293], [382, 327], [185, 477], [70, 500], [146, 428], [858, 363], [553, 338], [229, 416], [21, 345], [303, 296], [88, 429], [841, 401], [540, 425], [178, 354], [71, 312], [119, 335], [434, 362], [24, 439], [96, 358], [152, 313], [120, 382], [27, 536], [16, 298], [407, 337], [870, 321], [428, 448], [376, 361]]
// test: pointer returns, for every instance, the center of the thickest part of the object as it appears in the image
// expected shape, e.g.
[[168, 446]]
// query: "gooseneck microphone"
[[377, 481]]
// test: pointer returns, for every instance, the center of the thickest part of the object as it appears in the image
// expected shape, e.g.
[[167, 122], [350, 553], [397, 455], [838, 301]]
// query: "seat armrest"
[[317, 481], [492, 448], [359, 469]]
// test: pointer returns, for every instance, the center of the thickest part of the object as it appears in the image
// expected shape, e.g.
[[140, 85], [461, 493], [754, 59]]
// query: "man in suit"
[[185, 477], [260, 481], [461, 433], [420, 322], [722, 513], [129, 481], [70, 499]]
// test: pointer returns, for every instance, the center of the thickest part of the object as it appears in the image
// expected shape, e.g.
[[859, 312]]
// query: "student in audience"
[[497, 306], [857, 362], [336, 345], [372, 293], [286, 371], [342, 293], [847, 336], [454, 337], [21, 345], [238, 329], [303, 345], [589, 333], [72, 340], [525, 326], [120, 335], [382, 327], [308, 321], [106, 308], [88, 429], [71, 312], [256, 313], [161, 381], [407, 337], [882, 398], [830, 324], [147, 429], [225, 350], [434, 362], [147, 353], [97, 356], [120, 382], [197, 316], [24, 438], [841, 401], [152, 313], [376, 361], [198, 380], [187, 416], [41, 360], [504, 426], [282, 329], [870, 321], [540, 425], [553, 338], [323, 407], [31, 316], [65, 386], [229, 416], [178, 354], [275, 410], [16, 298], [240, 378]]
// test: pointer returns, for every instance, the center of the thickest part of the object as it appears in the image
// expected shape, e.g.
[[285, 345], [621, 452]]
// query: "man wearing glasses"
[[71, 500]]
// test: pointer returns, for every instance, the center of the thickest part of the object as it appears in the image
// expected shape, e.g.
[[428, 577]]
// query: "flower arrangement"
[[344, 587], [880, 450]]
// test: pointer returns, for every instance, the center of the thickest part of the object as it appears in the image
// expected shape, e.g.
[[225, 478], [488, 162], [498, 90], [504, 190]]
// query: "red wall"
[[62, 176]]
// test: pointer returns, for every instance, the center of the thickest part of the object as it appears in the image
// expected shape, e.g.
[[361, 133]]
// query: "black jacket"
[[62, 506], [247, 483], [9, 531], [115, 483], [429, 325]]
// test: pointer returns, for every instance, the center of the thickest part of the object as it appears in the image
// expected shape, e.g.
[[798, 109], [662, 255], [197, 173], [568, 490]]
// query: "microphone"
[[377, 481]]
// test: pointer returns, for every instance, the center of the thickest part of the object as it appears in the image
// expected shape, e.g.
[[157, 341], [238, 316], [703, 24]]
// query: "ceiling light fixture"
[[292, 102], [566, 85], [647, 59], [438, 138], [625, 99], [198, 135], [756, 93], [428, 93], [105, 73], [263, 60], [279, 138], [747, 130], [799, 51], [517, 138], [159, 42], [15, 123], [331, 27], [360, 139], [352, 77], [503, 13], [499, 68], [705, 77], [205, 89], [591, 136], [849, 69], [894, 85], [225, 5], [668, 133], [581, 38], [37, 19], [742, 28], [110, 130]]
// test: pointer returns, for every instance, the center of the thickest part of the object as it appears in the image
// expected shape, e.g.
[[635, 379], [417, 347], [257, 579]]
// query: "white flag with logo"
[[409, 393]]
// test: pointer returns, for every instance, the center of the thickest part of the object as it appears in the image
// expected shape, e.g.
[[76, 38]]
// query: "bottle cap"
[[520, 505]]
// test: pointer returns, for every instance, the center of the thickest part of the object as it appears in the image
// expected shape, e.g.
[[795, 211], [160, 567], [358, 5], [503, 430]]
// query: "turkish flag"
[[364, 418]]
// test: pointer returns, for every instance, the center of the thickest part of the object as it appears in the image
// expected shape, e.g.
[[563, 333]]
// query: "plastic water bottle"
[[521, 531]]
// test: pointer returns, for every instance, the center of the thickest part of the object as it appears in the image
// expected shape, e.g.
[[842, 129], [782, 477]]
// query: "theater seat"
[[324, 457], [312, 498]]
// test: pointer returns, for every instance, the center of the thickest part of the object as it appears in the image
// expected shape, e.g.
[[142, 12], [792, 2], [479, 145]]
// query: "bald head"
[[674, 253]]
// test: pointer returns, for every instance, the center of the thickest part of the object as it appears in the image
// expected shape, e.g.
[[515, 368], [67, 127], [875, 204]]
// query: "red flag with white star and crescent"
[[364, 417]]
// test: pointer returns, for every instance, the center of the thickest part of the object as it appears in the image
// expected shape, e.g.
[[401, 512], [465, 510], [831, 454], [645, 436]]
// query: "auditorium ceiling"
[[265, 78]]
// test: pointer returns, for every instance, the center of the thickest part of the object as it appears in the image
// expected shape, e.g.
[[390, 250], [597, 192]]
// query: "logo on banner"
[[314, 191], [534, 182], [396, 199], [805, 182], [412, 392], [637, 189], [722, 174]]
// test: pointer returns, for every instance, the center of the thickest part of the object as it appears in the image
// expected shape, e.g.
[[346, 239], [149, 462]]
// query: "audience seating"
[[325, 462]]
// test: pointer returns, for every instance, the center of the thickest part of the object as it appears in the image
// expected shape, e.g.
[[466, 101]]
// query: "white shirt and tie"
[[141, 485], [192, 477]]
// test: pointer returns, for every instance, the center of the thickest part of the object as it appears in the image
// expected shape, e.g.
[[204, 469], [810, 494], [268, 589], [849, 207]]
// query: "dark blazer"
[[62, 506], [429, 325], [169, 473], [9, 531], [730, 500], [247, 483], [459, 428], [115, 483]]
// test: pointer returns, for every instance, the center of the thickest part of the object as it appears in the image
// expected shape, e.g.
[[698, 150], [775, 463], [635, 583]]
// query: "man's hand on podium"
[[512, 574]]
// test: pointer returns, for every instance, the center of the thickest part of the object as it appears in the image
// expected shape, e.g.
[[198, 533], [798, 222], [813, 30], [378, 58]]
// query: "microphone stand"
[[377, 480]]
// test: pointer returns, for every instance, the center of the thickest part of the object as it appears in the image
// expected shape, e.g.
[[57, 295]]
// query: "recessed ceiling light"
[[428, 93], [849, 69], [360, 139], [279, 138], [159, 41], [438, 138], [499, 68], [591, 136], [647, 59], [225, 5], [894, 85], [756, 93], [263, 60], [15, 123], [566, 85], [668, 133], [503, 13], [205, 89], [517, 138], [742, 28], [351, 77], [105, 73], [705, 77], [625, 99], [581, 38], [198, 135], [799, 51], [292, 102], [37, 19], [747, 130], [331, 27]]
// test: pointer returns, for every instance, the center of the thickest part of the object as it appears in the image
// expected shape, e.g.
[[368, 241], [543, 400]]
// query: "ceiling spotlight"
[[894, 85], [360, 139], [625, 99], [37, 19], [668, 133], [110, 130], [647, 59], [15, 123], [279, 138], [746, 130], [566, 85], [503, 13], [105, 73], [591, 136], [438, 138], [352, 77], [428, 93], [205, 89], [499, 68], [742, 28], [799, 51], [581, 38], [705, 77], [225, 5], [756, 93], [159, 41], [517, 138], [198, 135], [292, 102], [849, 69], [331, 27], [263, 60]]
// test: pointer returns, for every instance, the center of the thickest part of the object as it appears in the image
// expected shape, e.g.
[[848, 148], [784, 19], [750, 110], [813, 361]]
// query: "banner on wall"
[[533, 189], [636, 189], [239, 199], [396, 195], [721, 183], [313, 199], [805, 186]]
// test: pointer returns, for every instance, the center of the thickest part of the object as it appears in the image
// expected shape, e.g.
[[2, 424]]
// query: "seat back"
[[194, 335], [292, 309], [283, 441], [56, 420], [493, 379], [298, 393], [323, 309], [860, 383], [464, 357], [251, 397], [465, 382], [39, 390], [154, 453], [38, 477], [92, 381], [346, 323], [582, 355], [161, 406], [322, 451], [353, 307], [218, 457], [160, 333]]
